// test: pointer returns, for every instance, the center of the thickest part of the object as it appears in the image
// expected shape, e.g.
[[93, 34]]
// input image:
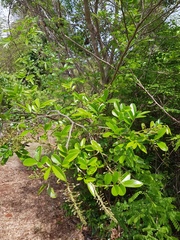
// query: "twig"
[[63, 115], [154, 100], [69, 135]]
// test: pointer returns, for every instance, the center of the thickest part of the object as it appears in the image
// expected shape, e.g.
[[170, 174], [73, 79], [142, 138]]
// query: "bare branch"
[[124, 20], [87, 51], [154, 100], [69, 135]]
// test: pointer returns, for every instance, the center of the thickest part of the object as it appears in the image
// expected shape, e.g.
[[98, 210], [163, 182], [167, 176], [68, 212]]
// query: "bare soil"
[[25, 215]]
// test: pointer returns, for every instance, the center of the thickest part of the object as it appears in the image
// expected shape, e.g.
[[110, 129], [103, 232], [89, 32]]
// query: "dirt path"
[[26, 216]]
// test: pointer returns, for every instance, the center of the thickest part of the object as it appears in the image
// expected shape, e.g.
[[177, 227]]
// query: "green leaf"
[[37, 102], [115, 177], [38, 152], [132, 144], [117, 106], [41, 189], [89, 148], [51, 192], [24, 133], [121, 159], [107, 178], [115, 190], [47, 173], [58, 172], [132, 183], [142, 147], [63, 133], [91, 170], [134, 196], [93, 107], [162, 146], [89, 179], [133, 109], [118, 190], [112, 126], [91, 188], [72, 154], [105, 95], [56, 158], [107, 134], [35, 109], [83, 113], [39, 165], [48, 126], [96, 146], [47, 103], [28, 108], [92, 161], [142, 114], [160, 133], [126, 177], [82, 143], [46, 159], [122, 190], [82, 162], [62, 149], [115, 113], [30, 162]]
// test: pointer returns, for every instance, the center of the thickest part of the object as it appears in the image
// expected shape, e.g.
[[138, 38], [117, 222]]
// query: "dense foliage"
[[100, 78]]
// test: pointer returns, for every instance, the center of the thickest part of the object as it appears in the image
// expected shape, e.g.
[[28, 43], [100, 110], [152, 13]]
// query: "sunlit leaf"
[[91, 170], [162, 146], [96, 146], [122, 190], [142, 147], [47, 173], [38, 152], [72, 154], [89, 179], [133, 109], [46, 159], [132, 183], [160, 133], [115, 177], [118, 190], [56, 158], [91, 188], [37, 102], [115, 190], [126, 177], [107, 178], [58, 172], [29, 162], [93, 161]]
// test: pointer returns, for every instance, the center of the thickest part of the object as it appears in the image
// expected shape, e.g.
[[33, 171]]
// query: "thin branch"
[[63, 115], [87, 51], [96, 20], [69, 135], [124, 20], [154, 100], [131, 39]]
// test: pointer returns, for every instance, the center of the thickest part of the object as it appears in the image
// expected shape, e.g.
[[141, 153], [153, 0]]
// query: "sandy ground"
[[25, 215]]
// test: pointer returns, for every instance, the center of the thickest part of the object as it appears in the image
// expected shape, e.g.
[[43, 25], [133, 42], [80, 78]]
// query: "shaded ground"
[[24, 215]]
